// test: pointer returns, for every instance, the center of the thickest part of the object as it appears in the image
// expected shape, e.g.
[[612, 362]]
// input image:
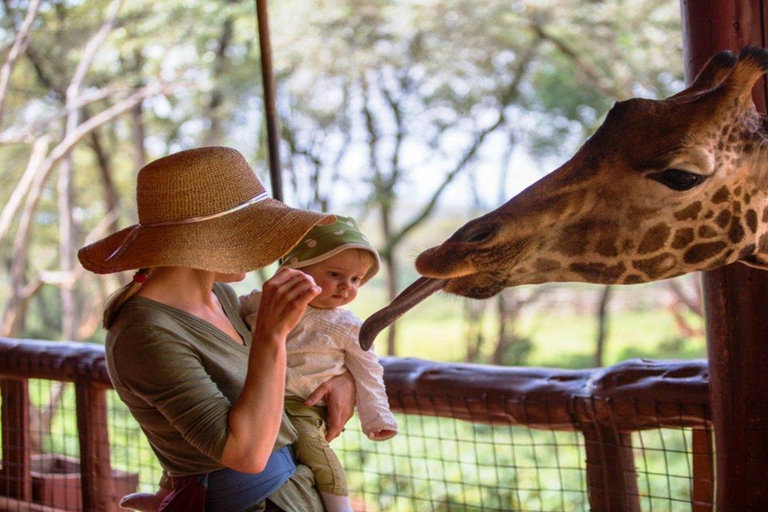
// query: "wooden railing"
[[605, 405]]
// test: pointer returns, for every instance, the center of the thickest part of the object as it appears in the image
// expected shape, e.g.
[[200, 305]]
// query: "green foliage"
[[379, 101]]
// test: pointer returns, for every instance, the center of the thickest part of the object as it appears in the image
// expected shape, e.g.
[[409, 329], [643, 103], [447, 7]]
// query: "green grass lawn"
[[436, 330]]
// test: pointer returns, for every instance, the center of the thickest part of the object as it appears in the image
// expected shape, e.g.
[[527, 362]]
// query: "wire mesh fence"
[[455, 451]]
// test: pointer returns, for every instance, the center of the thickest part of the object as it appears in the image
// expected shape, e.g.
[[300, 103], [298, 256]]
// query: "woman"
[[207, 392]]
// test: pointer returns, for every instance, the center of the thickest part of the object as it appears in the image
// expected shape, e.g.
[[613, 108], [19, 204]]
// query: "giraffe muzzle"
[[408, 298]]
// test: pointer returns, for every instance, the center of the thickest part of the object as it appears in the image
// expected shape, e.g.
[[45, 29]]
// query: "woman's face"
[[230, 278]]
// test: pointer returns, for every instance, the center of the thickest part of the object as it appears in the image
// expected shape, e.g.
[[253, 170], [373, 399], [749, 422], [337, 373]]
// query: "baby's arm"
[[249, 306], [377, 420]]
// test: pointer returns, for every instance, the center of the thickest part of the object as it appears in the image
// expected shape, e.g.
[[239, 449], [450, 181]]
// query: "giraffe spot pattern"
[[747, 251], [751, 218], [607, 247], [722, 195], [657, 266], [546, 265], [723, 258], [691, 212], [573, 240], [736, 233], [707, 232], [763, 243], [709, 214], [723, 218], [633, 279], [765, 215], [683, 238], [599, 272], [654, 239], [702, 252]]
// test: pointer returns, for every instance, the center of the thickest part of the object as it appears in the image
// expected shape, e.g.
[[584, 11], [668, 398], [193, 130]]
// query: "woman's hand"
[[284, 299], [338, 393]]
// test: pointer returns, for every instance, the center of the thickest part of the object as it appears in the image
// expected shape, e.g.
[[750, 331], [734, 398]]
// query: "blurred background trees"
[[410, 115]]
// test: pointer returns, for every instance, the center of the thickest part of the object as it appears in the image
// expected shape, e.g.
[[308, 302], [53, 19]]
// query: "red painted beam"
[[736, 296]]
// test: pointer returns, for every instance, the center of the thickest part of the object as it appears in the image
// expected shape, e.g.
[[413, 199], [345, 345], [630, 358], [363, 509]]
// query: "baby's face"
[[339, 276]]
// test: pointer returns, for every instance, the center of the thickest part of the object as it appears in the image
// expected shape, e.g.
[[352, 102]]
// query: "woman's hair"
[[117, 300]]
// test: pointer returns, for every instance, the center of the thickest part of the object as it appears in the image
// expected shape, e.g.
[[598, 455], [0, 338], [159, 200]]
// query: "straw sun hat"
[[206, 209]]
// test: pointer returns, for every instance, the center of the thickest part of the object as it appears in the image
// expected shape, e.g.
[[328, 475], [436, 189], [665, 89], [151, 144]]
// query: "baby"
[[325, 344]]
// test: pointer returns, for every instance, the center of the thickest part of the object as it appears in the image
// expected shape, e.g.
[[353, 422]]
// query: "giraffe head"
[[661, 189]]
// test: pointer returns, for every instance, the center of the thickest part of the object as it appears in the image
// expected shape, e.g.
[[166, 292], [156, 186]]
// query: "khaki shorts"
[[311, 448]]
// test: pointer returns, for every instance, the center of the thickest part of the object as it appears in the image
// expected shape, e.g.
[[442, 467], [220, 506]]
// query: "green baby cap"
[[322, 242]]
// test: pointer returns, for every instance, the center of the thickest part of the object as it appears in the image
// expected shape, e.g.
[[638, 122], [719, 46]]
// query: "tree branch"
[[39, 150], [506, 98], [19, 46], [594, 76]]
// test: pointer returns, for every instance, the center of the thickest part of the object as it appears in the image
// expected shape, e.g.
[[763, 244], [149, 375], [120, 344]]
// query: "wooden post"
[[703, 470], [611, 476], [736, 296], [98, 486], [15, 479], [270, 100]]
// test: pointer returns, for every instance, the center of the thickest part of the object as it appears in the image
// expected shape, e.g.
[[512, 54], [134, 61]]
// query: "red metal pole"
[[270, 95], [736, 296]]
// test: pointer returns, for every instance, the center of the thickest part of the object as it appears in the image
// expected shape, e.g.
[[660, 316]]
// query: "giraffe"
[[662, 188]]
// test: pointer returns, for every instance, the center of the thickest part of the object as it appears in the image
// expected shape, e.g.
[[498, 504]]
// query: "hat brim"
[[241, 241]]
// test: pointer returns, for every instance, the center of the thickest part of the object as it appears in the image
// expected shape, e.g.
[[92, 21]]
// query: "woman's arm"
[[338, 393], [254, 420]]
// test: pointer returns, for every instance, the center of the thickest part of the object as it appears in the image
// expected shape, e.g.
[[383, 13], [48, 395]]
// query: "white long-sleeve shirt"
[[324, 344]]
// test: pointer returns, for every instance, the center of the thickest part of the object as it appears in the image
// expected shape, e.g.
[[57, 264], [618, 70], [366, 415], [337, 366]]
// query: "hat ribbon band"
[[191, 220]]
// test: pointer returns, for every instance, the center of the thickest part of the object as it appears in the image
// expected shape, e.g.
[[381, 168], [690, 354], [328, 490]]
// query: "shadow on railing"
[[605, 406]]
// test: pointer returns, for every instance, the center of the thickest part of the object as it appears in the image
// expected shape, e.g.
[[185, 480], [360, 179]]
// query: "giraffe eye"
[[677, 179], [480, 235]]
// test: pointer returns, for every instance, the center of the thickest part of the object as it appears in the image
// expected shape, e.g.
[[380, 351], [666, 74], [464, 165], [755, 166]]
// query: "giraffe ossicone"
[[663, 188]]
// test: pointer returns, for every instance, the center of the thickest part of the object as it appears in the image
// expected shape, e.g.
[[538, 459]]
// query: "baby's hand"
[[284, 299], [382, 435]]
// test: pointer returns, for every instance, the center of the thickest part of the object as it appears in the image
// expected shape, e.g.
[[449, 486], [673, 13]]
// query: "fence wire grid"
[[434, 463]]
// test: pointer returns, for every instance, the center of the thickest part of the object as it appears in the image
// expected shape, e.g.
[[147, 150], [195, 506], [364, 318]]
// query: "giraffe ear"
[[712, 75], [752, 64]]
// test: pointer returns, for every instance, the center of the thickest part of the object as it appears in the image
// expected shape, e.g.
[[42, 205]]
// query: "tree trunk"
[[506, 330], [474, 312], [215, 135], [111, 197], [602, 325], [139, 151], [390, 262], [67, 248]]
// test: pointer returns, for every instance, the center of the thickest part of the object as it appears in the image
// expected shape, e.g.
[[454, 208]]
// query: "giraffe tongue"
[[408, 298]]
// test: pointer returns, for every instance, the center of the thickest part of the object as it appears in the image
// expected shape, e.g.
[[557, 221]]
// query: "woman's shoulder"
[[143, 323]]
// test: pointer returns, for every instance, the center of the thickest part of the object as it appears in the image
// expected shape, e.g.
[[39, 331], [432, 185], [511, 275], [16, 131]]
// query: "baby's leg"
[[311, 449]]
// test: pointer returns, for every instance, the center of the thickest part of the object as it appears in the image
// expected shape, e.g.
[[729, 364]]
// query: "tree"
[[385, 107]]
